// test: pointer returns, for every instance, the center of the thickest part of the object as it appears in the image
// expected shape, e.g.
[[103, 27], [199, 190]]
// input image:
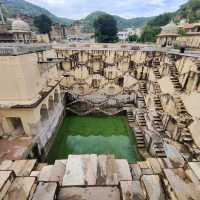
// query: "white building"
[[123, 35]]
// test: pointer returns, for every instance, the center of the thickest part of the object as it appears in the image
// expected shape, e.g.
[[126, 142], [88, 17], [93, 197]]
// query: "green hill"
[[14, 7], [189, 11], [121, 22]]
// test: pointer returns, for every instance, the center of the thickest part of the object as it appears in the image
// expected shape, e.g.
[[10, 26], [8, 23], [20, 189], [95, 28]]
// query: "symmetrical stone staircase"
[[139, 137], [143, 87], [141, 102], [179, 105], [158, 124], [157, 88], [157, 103], [140, 118], [159, 150], [130, 117], [174, 77], [186, 136], [155, 66], [138, 133]]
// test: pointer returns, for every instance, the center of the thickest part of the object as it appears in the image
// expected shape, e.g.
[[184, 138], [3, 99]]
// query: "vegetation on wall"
[[106, 29], [43, 23]]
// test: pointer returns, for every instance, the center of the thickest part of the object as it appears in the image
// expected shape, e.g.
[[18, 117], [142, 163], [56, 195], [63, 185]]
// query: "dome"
[[19, 25], [170, 28]]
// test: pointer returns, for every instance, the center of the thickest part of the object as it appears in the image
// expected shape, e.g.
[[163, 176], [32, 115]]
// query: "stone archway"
[[44, 115], [16, 125], [51, 104], [56, 97]]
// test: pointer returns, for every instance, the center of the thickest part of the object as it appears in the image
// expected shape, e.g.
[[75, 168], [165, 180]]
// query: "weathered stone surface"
[[80, 170], [181, 187], [35, 174], [138, 193], [45, 173], [22, 188], [123, 170], [153, 162], [45, 191], [6, 178], [153, 187], [195, 167], [58, 171], [174, 156], [106, 170], [126, 190], [136, 171], [23, 167], [89, 193], [131, 190], [6, 164]]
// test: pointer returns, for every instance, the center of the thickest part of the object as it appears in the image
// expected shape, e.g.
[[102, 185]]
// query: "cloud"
[[77, 9]]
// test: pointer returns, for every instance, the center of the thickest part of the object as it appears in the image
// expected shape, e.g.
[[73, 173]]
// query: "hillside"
[[189, 11], [121, 22], [14, 7]]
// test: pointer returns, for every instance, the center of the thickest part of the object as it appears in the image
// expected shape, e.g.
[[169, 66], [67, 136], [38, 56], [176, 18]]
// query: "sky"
[[77, 9]]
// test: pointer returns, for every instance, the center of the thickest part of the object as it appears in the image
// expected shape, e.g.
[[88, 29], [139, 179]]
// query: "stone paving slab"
[[89, 193], [6, 179], [45, 191]]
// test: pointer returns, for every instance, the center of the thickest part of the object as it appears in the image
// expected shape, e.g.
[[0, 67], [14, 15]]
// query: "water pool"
[[94, 135]]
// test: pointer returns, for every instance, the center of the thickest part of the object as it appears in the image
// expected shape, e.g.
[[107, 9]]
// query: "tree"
[[43, 23], [105, 27], [182, 32], [133, 38], [161, 20], [149, 34]]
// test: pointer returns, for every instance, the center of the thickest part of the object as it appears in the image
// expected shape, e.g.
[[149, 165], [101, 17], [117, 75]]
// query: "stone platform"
[[92, 177]]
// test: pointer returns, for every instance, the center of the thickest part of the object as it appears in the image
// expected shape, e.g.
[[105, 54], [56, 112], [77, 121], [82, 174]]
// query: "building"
[[168, 35], [191, 36], [30, 98], [124, 35], [57, 32], [73, 33], [73, 29], [21, 31]]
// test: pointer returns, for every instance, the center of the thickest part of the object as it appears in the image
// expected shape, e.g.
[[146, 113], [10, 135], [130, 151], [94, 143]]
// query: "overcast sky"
[[76, 9]]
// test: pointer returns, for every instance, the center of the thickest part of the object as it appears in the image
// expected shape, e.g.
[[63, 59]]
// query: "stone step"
[[6, 179], [45, 191], [21, 188]]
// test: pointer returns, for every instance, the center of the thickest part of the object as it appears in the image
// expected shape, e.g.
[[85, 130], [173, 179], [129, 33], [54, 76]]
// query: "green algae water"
[[94, 135]]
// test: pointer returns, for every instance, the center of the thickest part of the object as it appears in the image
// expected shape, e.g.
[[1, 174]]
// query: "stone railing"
[[18, 49]]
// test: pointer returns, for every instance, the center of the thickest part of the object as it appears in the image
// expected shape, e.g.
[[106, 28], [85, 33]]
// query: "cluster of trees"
[[43, 23], [152, 28], [105, 27], [190, 11]]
